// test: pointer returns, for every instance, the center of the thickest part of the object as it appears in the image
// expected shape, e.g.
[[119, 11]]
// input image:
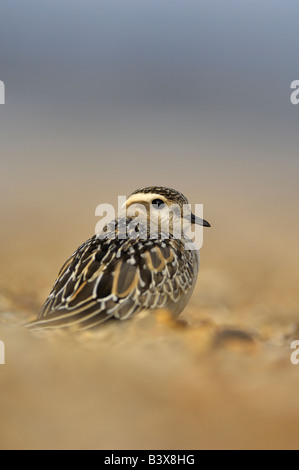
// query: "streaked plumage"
[[108, 277]]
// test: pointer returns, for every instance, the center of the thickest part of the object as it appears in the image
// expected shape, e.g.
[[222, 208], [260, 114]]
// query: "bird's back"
[[118, 277]]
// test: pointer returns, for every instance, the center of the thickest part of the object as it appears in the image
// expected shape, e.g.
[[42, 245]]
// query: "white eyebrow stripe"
[[142, 197]]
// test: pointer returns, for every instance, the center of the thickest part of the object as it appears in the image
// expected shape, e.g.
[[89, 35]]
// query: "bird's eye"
[[158, 204]]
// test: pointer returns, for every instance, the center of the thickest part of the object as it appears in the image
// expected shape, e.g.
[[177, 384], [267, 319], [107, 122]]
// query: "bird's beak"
[[199, 221]]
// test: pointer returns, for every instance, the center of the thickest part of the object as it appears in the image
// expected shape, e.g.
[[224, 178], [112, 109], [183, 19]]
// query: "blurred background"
[[103, 98]]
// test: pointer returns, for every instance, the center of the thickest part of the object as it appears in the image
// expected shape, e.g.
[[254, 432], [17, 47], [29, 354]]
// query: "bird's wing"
[[115, 279]]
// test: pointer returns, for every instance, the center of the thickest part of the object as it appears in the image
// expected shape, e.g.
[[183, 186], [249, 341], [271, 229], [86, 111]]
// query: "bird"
[[116, 277]]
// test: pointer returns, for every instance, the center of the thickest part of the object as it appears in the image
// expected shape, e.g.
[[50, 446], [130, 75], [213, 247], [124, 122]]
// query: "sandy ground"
[[220, 377]]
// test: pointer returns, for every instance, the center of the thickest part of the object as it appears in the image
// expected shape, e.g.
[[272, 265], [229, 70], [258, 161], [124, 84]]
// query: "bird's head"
[[163, 208]]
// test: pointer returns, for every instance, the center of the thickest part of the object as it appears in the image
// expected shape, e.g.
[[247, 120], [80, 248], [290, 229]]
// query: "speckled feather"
[[117, 278]]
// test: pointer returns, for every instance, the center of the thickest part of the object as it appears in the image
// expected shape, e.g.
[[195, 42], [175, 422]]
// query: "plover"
[[112, 277]]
